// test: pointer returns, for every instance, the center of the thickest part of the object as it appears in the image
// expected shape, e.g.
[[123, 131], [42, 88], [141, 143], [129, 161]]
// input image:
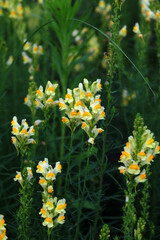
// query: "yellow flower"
[[123, 31], [61, 205], [18, 177], [48, 222], [43, 212], [136, 29], [61, 219], [141, 177], [134, 169]]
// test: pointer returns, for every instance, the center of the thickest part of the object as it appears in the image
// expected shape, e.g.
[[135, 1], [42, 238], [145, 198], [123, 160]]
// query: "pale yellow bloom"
[[123, 31]]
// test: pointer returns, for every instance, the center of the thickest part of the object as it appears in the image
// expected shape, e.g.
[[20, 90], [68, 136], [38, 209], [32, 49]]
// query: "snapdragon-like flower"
[[22, 134], [136, 29], [19, 176], [138, 153], [53, 210], [83, 105], [45, 98], [123, 31], [2, 228]]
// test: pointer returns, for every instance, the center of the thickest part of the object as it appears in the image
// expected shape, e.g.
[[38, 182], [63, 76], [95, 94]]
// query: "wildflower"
[[61, 205], [18, 177], [37, 50], [22, 133], [9, 61], [157, 15], [52, 210], [123, 31], [83, 106], [48, 222], [141, 177], [27, 45], [136, 30], [134, 163], [46, 98], [26, 58], [103, 8]]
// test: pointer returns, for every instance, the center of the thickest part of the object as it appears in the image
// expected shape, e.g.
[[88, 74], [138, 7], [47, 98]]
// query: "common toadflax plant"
[[82, 105], [53, 210], [136, 158]]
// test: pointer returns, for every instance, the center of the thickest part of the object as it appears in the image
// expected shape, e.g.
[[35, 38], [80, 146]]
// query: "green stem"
[[102, 171], [68, 163], [83, 193], [49, 234]]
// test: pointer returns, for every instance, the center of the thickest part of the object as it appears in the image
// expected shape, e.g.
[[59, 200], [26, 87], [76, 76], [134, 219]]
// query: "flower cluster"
[[82, 105], [22, 133], [46, 98], [103, 8], [30, 54], [127, 97], [52, 210], [19, 176], [2, 228], [14, 7], [138, 154], [146, 11]]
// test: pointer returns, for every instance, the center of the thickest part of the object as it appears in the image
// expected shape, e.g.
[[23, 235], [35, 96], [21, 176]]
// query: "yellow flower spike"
[[127, 144]]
